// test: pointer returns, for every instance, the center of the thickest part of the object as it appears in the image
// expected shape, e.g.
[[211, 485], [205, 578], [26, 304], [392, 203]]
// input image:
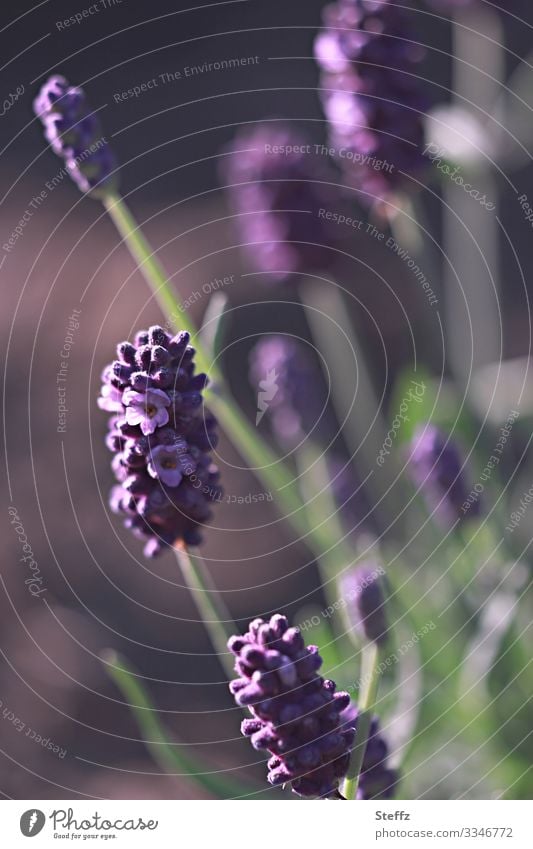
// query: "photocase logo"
[[267, 392], [32, 822]]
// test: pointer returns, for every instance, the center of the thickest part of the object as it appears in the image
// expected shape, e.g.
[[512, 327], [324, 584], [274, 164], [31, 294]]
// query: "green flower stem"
[[270, 470], [168, 755], [365, 429], [367, 698], [213, 611], [152, 271], [315, 487]]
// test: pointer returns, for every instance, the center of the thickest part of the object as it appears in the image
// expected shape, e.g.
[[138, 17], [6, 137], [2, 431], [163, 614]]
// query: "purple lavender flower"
[[75, 134], [437, 468], [362, 591], [170, 462], [371, 96], [147, 409], [278, 187], [296, 714], [161, 437], [290, 390]]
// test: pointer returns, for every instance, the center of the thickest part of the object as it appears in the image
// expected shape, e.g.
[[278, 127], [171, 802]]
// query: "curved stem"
[[152, 271]]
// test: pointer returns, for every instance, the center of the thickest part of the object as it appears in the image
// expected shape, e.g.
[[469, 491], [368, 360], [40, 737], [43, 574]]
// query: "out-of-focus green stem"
[[365, 430], [366, 700], [169, 756]]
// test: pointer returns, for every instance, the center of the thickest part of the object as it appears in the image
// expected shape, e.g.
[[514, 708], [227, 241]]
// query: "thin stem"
[[354, 398], [213, 611], [320, 506], [367, 698], [152, 271]]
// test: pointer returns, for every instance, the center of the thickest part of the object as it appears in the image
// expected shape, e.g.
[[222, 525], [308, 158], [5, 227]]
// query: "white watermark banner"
[[174, 823]]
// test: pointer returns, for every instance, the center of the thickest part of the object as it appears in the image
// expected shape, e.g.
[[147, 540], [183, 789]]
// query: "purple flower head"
[[75, 134], [296, 714], [362, 591], [161, 437], [290, 390], [147, 409], [279, 189], [436, 466], [372, 99]]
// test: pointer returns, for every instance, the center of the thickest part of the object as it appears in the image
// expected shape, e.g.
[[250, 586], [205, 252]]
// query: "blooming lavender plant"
[[161, 436], [75, 134], [278, 187], [371, 96], [436, 466], [297, 715]]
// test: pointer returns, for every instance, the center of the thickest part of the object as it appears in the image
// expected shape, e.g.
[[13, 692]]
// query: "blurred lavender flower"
[[362, 590], [353, 507], [436, 466], [277, 187], [296, 713], [161, 439], [297, 404], [368, 57], [75, 134]]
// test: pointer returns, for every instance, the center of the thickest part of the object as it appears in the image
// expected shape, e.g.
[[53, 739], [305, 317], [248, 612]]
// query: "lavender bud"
[[297, 715], [161, 443], [290, 388], [371, 95], [75, 134], [437, 468], [362, 590]]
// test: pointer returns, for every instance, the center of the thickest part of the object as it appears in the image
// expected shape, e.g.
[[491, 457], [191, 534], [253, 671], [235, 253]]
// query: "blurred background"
[[65, 730]]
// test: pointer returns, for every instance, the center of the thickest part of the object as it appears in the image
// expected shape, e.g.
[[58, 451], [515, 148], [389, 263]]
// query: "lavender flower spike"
[[362, 591], [436, 466], [296, 714], [75, 134], [161, 436], [280, 191], [371, 96]]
